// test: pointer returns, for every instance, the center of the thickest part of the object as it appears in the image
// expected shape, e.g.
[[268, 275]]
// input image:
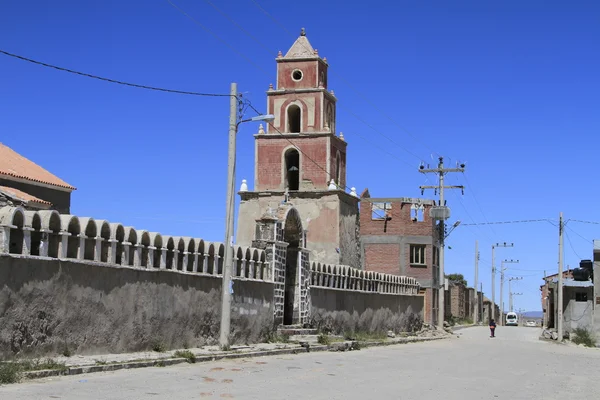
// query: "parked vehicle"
[[530, 323], [512, 319]]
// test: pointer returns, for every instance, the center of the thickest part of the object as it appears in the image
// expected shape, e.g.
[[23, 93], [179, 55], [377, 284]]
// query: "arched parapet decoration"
[[211, 258], [179, 253], [117, 237], [202, 264], [51, 227], [155, 249], [87, 244], [238, 261], [131, 239], [257, 268], [33, 235], [221, 253], [187, 255], [12, 220], [143, 249], [169, 243], [248, 264], [265, 267], [70, 230], [103, 246]]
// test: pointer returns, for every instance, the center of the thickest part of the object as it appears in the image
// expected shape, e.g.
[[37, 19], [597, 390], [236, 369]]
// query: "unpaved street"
[[515, 365]]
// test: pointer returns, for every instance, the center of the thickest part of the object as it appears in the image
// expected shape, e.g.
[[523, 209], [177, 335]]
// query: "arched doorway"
[[292, 169], [292, 235]]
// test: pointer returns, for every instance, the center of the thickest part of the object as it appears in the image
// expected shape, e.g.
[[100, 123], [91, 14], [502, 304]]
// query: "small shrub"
[[100, 362], [66, 352], [584, 337], [159, 347], [324, 339], [188, 355], [160, 364], [9, 373]]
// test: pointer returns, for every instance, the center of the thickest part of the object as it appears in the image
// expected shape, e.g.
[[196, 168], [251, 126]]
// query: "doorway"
[[291, 301]]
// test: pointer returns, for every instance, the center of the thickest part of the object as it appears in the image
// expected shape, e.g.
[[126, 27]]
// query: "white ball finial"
[[342, 135], [332, 185], [353, 192], [244, 186], [261, 130]]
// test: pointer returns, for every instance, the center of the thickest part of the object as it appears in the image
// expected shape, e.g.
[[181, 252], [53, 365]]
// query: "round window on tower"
[[297, 75]]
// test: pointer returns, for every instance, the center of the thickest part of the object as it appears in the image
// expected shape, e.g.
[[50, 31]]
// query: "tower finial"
[[302, 32]]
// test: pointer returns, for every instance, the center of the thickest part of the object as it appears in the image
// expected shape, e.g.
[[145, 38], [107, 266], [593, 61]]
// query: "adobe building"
[[26, 184], [300, 162], [399, 237]]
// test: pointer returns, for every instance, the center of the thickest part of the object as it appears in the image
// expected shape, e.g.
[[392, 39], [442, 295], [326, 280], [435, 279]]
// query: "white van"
[[512, 319]]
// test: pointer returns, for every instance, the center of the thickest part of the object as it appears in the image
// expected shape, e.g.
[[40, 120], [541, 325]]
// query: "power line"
[[340, 107], [195, 21], [571, 245], [113, 80], [477, 202], [356, 91], [509, 222], [266, 73], [584, 222]]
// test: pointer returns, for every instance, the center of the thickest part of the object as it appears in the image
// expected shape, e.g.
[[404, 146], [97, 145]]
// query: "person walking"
[[492, 328]]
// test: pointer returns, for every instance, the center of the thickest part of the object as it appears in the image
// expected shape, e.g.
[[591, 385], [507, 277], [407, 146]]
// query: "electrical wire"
[[356, 91], [113, 80], [509, 222]]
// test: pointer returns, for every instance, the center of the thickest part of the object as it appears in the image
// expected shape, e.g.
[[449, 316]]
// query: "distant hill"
[[533, 314]]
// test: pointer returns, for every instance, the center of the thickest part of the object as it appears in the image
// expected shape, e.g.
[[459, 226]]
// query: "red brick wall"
[[382, 258], [400, 224], [309, 74], [302, 100], [270, 161]]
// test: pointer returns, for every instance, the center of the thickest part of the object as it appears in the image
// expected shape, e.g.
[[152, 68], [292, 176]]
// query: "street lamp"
[[226, 287]]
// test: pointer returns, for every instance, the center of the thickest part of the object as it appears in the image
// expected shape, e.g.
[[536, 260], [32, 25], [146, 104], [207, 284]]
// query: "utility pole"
[[502, 269], [494, 276], [476, 308], [559, 324], [228, 256], [443, 213], [545, 310], [510, 293]]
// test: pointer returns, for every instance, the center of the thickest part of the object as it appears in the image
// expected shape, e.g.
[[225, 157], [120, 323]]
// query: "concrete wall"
[[49, 304], [339, 311]]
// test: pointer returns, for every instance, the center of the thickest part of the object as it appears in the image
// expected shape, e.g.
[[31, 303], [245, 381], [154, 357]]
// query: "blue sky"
[[511, 88]]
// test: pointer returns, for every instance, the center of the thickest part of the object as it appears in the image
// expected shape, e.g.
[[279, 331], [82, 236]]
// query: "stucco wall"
[[364, 312], [331, 222], [49, 304]]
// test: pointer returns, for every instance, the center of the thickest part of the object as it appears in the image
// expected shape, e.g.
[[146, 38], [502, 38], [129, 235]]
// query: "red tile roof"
[[20, 195], [15, 165]]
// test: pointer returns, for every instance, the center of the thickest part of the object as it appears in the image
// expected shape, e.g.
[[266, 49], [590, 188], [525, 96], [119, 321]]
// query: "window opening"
[[292, 168], [294, 119]]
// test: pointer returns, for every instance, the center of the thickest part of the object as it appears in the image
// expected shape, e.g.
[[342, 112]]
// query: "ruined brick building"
[[399, 237]]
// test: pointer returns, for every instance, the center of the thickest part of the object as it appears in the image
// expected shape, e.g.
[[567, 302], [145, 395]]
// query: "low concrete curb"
[[164, 362]]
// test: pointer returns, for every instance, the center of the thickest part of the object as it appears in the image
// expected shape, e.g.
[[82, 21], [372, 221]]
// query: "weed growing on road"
[[584, 337], [11, 372], [324, 339], [188, 355]]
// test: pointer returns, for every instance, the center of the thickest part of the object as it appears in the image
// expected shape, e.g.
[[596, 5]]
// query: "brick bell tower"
[[301, 162]]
